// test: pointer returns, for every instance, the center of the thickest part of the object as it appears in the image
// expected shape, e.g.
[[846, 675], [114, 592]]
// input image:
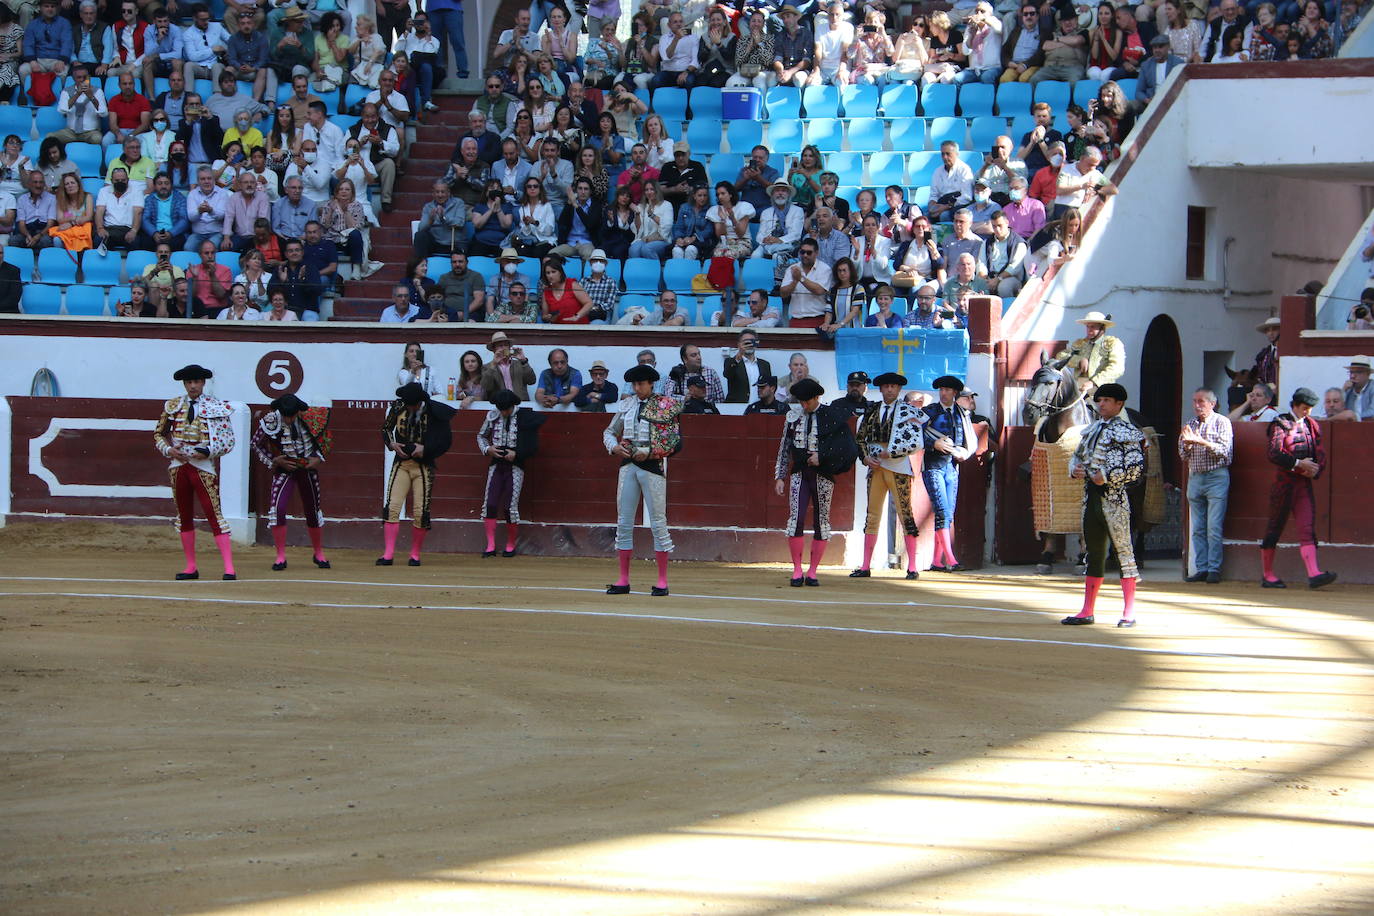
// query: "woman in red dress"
[[564, 301]]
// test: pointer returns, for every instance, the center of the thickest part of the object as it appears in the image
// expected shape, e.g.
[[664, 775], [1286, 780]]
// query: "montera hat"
[[505, 399], [641, 374], [1304, 396], [890, 378], [191, 373], [289, 404], [1110, 390], [412, 393], [1097, 318], [806, 389], [949, 381]]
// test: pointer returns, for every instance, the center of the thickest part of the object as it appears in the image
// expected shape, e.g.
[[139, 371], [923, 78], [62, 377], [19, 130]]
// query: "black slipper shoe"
[[1077, 621], [412, 562], [795, 583], [278, 567], [860, 574], [1272, 583], [488, 553], [229, 577], [383, 561], [813, 582], [912, 574], [617, 589], [183, 576], [658, 592], [322, 564], [1321, 579]]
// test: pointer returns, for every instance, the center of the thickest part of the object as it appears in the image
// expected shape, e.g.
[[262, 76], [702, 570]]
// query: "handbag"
[[40, 89], [721, 273]]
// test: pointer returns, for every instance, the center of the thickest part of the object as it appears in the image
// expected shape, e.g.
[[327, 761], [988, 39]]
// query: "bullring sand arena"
[[499, 737]]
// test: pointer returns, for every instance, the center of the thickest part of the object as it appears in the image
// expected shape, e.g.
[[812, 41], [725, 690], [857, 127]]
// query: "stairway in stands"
[[364, 300]]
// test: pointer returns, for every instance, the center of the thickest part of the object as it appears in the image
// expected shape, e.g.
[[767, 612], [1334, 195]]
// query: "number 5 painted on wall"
[[279, 373]]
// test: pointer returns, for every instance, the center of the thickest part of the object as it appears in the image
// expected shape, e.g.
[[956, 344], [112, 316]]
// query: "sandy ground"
[[498, 736]]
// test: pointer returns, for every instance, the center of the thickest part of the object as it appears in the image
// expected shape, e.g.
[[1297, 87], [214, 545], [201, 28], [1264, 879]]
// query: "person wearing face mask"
[[139, 168], [1025, 214], [982, 209], [355, 167], [498, 287], [313, 173], [156, 144], [244, 132], [118, 212]]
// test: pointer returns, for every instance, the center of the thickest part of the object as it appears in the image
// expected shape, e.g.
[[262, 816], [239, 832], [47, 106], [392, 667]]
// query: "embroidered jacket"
[[1115, 447], [208, 434], [1106, 358], [894, 428], [1291, 440]]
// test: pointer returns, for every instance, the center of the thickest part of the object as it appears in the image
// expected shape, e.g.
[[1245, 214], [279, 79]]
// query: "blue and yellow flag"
[[921, 354]]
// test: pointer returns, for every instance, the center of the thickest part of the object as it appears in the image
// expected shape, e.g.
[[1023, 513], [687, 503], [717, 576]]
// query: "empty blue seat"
[[974, 159], [908, 135], [724, 167], [31, 148], [1053, 92], [185, 259], [101, 269], [86, 157], [757, 274], [483, 265], [93, 184], [439, 265], [887, 168], [708, 306], [345, 121], [986, 130], [821, 101], [47, 121], [859, 101], [16, 120], [137, 262], [56, 265], [613, 269], [229, 259], [704, 101], [678, 274], [85, 300], [1127, 87], [572, 268], [937, 100], [670, 104], [899, 101], [743, 135], [1020, 127], [848, 167], [21, 258], [782, 103], [1085, 91], [942, 129], [785, 136], [826, 134], [1013, 99], [703, 136], [866, 135], [160, 85], [205, 88], [923, 165], [641, 275], [920, 196], [975, 99], [38, 299]]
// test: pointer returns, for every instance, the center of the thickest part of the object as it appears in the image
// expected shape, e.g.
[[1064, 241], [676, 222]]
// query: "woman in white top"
[[254, 278], [909, 55], [413, 369], [240, 309], [536, 231], [539, 104], [558, 41], [1184, 34], [659, 144], [653, 224], [731, 218], [234, 164], [1232, 47], [157, 141], [369, 52], [15, 166], [356, 167], [268, 182], [314, 175], [1255, 408], [873, 254]]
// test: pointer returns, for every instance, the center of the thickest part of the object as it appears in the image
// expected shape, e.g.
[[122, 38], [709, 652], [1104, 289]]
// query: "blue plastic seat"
[[229, 259], [1020, 127], [137, 262], [93, 184], [821, 102], [975, 99], [101, 269], [920, 196], [724, 167], [1085, 91], [31, 148], [1127, 87], [942, 129], [899, 101], [1013, 99], [614, 268], [678, 274], [86, 157], [354, 95], [56, 265], [923, 166], [937, 100], [188, 259], [205, 88], [670, 104], [704, 102], [785, 136], [859, 101], [782, 103], [887, 168], [756, 274], [21, 258], [850, 195], [866, 135], [703, 136], [974, 159], [848, 167], [743, 136], [908, 135], [1054, 92], [826, 134], [708, 306], [161, 84], [438, 266], [85, 300], [16, 120], [573, 269], [38, 299], [47, 121], [345, 121], [641, 275], [986, 130], [483, 265]]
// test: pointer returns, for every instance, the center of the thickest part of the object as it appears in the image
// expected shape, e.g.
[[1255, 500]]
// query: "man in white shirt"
[[808, 285], [677, 53], [393, 107], [780, 226], [205, 205], [951, 187], [999, 169], [118, 212], [327, 136], [1078, 178], [520, 38], [421, 48], [201, 44], [83, 105], [830, 48]]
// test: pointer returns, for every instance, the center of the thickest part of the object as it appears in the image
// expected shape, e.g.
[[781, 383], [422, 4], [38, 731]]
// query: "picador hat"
[[289, 404], [806, 389]]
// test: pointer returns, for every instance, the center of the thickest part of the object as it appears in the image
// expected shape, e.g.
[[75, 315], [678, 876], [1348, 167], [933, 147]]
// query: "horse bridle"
[[1050, 409]]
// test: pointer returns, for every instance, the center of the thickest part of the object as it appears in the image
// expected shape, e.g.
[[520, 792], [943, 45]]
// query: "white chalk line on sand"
[[667, 618], [539, 588]]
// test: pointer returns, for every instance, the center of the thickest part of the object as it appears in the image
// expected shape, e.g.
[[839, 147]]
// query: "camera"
[[1361, 312], [927, 236], [870, 29]]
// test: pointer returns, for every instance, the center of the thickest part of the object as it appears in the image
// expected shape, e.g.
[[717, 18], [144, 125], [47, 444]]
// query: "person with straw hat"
[[508, 370], [508, 272], [1097, 358], [1266, 367]]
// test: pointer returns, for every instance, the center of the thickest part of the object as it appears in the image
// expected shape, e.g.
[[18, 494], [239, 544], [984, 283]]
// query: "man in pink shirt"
[[243, 209], [210, 283], [1025, 214]]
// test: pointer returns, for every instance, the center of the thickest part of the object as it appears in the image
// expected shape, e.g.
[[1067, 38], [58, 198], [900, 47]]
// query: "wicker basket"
[[1154, 507], [1056, 498]]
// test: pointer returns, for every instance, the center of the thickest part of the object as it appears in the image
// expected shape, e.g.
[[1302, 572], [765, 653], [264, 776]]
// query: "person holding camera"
[[422, 49], [442, 226], [745, 367], [982, 46], [922, 261]]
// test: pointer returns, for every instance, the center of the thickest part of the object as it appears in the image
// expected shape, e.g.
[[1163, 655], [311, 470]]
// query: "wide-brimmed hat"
[[1111, 390], [498, 338], [1359, 362], [412, 393], [293, 14], [510, 254], [598, 365], [949, 381], [289, 404], [682, 146], [598, 255], [191, 373], [806, 389], [890, 378], [1268, 323], [1097, 318], [789, 8], [780, 184], [641, 374]]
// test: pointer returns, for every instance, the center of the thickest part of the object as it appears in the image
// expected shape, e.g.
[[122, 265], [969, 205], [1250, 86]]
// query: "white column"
[[233, 476], [6, 432]]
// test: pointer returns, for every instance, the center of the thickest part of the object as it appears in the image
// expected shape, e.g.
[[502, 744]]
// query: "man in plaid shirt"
[[690, 366], [600, 288], [1205, 443]]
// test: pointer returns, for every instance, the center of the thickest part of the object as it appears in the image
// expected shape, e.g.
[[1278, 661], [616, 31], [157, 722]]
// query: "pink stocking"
[[490, 525], [870, 541], [417, 541], [624, 556], [389, 532], [662, 557], [1128, 599], [1267, 560], [226, 552], [910, 552], [949, 546], [279, 539], [317, 542], [817, 552], [512, 533], [188, 544], [1309, 558], [794, 547], [938, 556], [1090, 586]]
